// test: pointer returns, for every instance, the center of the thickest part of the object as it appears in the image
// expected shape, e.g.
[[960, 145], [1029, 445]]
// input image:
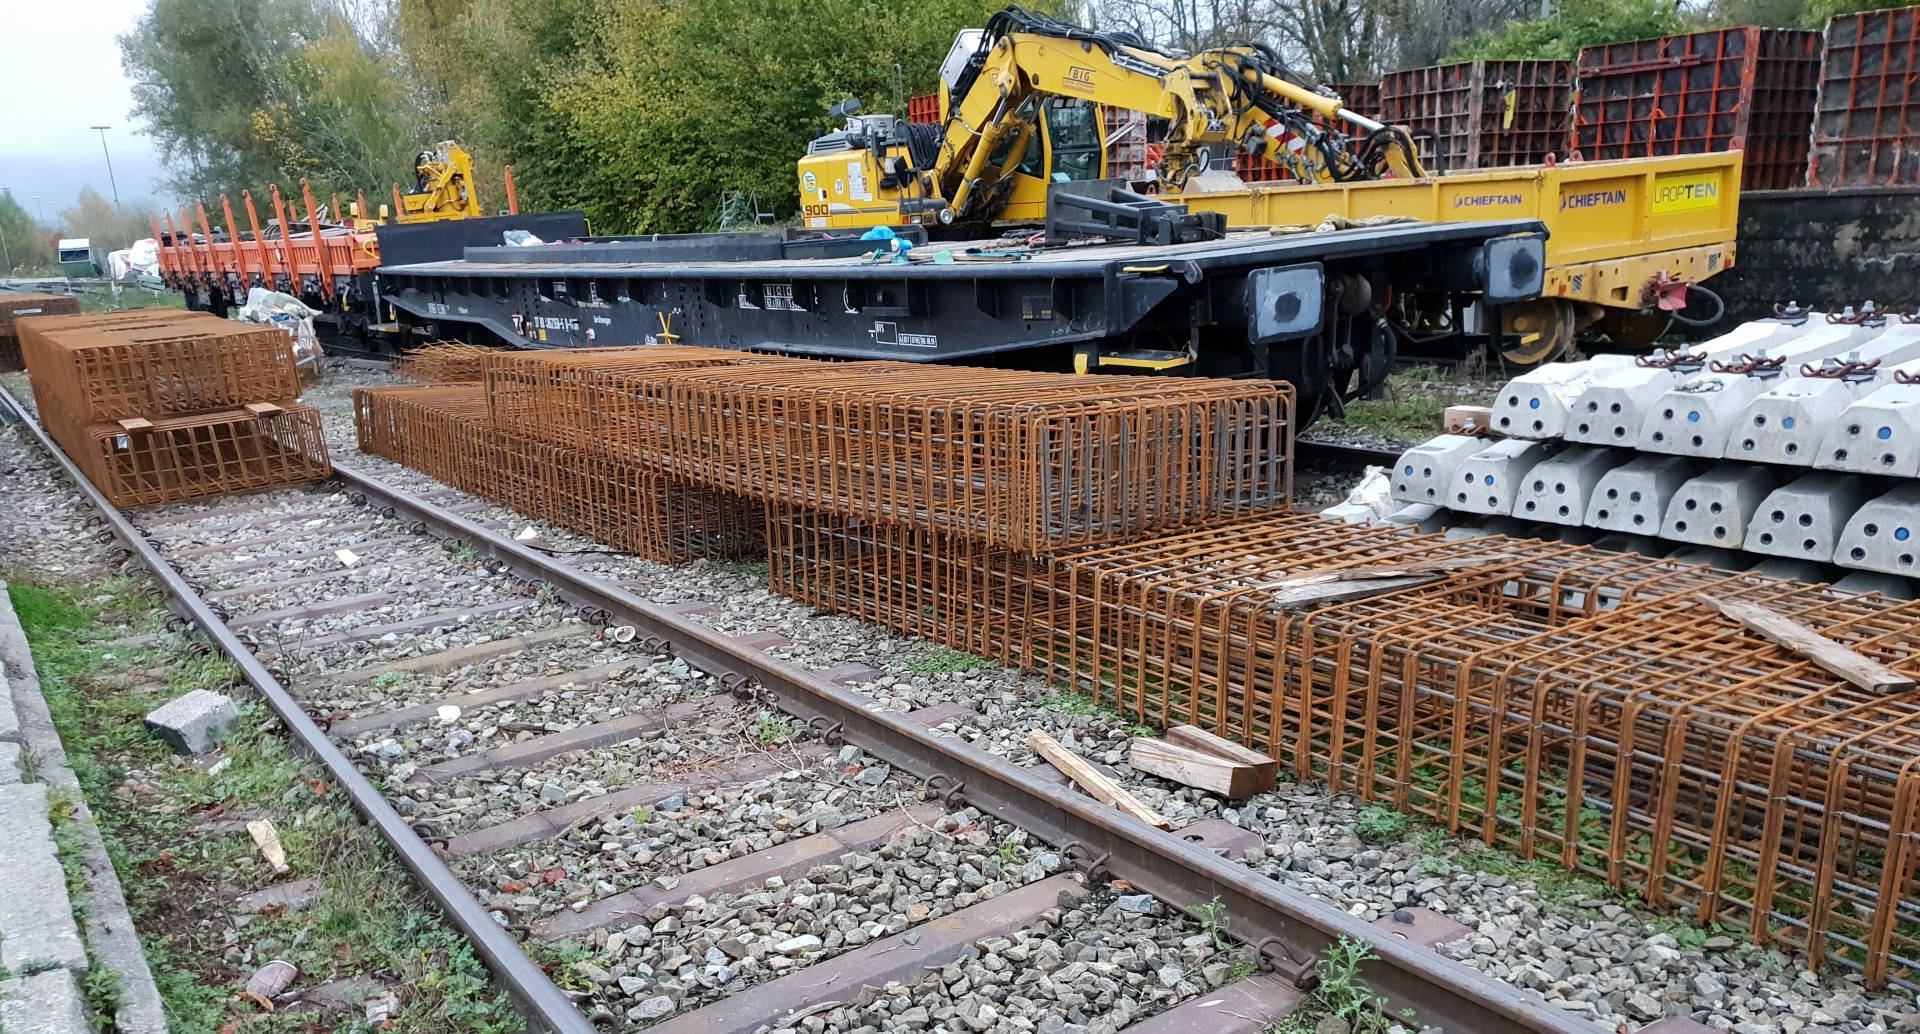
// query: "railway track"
[[740, 843]]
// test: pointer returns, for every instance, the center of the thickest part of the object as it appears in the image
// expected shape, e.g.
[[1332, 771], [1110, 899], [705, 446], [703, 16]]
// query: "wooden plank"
[[1791, 635], [136, 424], [1352, 583], [1468, 420], [1092, 780], [1371, 572], [1195, 768], [263, 408], [1266, 769]]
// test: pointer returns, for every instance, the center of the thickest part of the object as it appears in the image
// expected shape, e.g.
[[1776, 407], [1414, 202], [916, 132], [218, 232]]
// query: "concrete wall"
[[1824, 249]]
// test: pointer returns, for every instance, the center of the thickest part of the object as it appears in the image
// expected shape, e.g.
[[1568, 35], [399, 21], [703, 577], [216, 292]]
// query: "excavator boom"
[[1004, 88]]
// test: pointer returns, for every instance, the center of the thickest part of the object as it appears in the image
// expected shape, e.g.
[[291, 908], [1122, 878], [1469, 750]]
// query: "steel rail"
[[1310, 453], [542, 1003], [1286, 927]]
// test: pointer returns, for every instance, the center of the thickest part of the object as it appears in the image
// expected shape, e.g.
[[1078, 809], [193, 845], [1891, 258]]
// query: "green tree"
[[645, 112], [1575, 24], [239, 94], [110, 228], [23, 244]]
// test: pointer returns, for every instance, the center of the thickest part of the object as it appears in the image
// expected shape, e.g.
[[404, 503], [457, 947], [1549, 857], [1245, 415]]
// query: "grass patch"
[[1379, 824], [1343, 995], [1074, 703], [1414, 401], [944, 661], [177, 839]]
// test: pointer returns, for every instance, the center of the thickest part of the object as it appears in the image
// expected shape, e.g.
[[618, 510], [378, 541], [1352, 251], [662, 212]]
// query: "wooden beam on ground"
[[1095, 782], [1791, 635], [1266, 769], [1196, 768]]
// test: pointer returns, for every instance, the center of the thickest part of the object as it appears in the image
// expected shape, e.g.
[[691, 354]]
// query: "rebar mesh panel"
[[444, 362], [177, 459]]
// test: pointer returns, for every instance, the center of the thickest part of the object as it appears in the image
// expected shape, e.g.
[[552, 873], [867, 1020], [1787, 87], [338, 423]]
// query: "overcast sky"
[[59, 74]]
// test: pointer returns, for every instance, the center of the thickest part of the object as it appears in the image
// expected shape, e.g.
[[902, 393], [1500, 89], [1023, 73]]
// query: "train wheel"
[[1545, 327]]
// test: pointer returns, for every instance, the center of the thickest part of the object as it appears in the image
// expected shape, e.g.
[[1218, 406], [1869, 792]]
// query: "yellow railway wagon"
[[1614, 228]]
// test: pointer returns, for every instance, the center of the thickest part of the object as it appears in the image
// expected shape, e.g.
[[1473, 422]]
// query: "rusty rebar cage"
[[21, 306], [445, 432], [1025, 461], [117, 374], [444, 362], [1563, 702], [181, 458], [161, 407]]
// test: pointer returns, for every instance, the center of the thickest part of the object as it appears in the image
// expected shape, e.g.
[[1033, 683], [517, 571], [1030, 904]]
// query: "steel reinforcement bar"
[[1285, 927]]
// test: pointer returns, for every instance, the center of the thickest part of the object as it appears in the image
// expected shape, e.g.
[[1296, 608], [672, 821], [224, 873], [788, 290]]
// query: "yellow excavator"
[[1020, 104], [1026, 76], [442, 189]]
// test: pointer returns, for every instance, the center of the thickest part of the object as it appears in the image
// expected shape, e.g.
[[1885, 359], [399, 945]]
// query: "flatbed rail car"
[[326, 265], [1623, 236], [1303, 307]]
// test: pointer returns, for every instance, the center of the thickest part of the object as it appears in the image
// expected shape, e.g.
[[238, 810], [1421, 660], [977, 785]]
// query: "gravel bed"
[[305, 662], [458, 731], [616, 852], [496, 795], [584, 649], [681, 956], [1089, 967]]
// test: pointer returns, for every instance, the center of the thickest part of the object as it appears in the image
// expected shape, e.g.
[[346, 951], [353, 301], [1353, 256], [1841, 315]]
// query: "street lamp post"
[[109, 156]]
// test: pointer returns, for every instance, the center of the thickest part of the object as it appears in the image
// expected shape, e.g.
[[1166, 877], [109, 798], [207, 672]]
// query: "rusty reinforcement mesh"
[[444, 432], [20, 306], [120, 373], [161, 407], [176, 459], [1563, 702], [444, 362], [1023, 460]]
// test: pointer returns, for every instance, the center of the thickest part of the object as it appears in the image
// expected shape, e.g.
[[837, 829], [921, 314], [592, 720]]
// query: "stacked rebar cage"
[[1129, 537], [15, 307], [165, 407]]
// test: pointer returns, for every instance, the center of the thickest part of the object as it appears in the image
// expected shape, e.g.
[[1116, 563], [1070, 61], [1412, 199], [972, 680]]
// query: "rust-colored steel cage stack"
[[600, 397], [168, 407], [204, 455], [1483, 114], [1566, 703], [445, 362], [1866, 129], [445, 432], [1023, 461], [20, 306], [1745, 89]]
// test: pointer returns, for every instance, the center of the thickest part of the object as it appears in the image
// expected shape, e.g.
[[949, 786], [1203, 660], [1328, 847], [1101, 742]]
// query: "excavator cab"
[[1065, 148]]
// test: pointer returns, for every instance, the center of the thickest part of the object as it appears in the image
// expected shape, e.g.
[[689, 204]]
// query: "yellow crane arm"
[[1223, 97]]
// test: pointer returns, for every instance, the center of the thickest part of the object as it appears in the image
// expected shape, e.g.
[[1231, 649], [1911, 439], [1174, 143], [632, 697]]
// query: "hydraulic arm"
[[1005, 94]]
